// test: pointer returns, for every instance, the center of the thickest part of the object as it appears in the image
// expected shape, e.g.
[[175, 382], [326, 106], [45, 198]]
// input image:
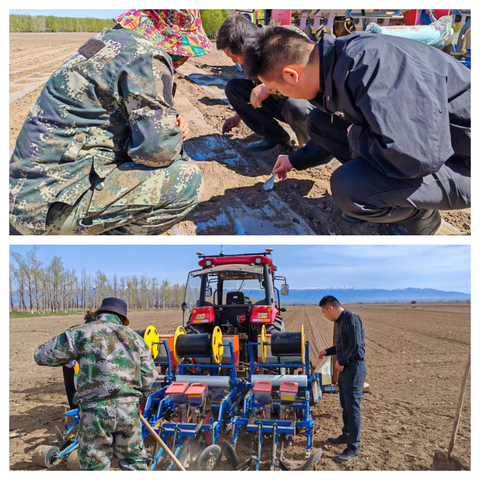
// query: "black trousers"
[[68, 380], [350, 384], [362, 191], [263, 121]]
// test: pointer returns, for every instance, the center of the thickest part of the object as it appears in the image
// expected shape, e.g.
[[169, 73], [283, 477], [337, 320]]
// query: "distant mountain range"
[[311, 296]]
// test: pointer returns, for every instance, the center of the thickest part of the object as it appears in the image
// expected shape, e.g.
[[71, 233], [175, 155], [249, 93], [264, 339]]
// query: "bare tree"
[[25, 267], [56, 288], [115, 286], [11, 285]]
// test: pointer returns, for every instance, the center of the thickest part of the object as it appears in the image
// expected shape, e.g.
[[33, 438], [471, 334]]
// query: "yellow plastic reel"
[[151, 339], [303, 345], [179, 331], [217, 345], [263, 344]]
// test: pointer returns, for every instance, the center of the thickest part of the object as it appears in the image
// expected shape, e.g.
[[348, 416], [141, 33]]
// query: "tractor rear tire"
[[72, 461], [276, 327], [45, 456]]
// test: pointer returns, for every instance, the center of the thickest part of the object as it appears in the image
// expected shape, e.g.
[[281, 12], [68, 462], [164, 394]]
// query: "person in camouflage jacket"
[[115, 370], [101, 151]]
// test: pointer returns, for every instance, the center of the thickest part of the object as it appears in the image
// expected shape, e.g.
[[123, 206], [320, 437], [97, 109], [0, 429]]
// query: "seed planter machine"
[[282, 389]]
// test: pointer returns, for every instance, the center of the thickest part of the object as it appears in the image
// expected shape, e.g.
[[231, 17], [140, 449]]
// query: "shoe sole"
[[432, 231]]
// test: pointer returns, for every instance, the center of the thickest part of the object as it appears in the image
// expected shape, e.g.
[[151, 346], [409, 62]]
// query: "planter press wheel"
[[312, 460], [72, 461], [210, 458], [230, 454], [46, 456]]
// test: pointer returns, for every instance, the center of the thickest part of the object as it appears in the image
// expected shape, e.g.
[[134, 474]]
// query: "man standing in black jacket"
[[393, 111], [350, 352]]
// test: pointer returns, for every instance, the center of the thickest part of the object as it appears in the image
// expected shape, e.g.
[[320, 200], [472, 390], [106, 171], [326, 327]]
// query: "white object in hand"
[[270, 183]]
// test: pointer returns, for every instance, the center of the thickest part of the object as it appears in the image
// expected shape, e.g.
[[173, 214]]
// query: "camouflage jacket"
[[114, 361], [110, 103]]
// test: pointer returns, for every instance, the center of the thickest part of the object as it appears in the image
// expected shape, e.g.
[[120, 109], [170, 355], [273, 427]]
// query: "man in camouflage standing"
[[101, 150], [115, 370]]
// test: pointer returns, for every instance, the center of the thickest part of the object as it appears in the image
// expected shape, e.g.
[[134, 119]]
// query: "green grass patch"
[[212, 19]]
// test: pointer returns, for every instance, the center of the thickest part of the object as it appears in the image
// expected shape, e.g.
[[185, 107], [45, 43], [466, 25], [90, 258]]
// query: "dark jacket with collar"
[[409, 103]]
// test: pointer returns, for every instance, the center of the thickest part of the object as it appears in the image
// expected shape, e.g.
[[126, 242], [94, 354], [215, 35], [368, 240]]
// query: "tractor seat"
[[235, 298]]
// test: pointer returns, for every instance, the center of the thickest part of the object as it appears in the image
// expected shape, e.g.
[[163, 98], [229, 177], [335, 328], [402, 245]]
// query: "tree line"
[[50, 23], [211, 21], [55, 288]]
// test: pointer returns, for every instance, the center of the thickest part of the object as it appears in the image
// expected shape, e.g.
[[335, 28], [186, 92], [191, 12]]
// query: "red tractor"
[[236, 293]]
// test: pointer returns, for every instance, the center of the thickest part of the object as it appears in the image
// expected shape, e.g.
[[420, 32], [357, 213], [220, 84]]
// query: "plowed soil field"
[[415, 359], [233, 201]]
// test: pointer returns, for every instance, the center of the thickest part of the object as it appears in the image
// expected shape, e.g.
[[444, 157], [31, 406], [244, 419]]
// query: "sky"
[[442, 267], [92, 13]]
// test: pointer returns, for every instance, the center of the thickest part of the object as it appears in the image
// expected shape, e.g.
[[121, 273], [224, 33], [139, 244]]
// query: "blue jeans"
[[350, 384]]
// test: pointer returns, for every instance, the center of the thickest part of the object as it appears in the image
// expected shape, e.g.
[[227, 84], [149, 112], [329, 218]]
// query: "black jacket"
[[409, 103]]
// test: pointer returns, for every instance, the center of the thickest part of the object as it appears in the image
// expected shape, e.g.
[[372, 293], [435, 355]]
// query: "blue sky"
[[444, 267], [93, 13]]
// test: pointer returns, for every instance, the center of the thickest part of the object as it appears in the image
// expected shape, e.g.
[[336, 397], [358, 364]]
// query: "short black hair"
[[329, 300], [234, 32], [272, 48]]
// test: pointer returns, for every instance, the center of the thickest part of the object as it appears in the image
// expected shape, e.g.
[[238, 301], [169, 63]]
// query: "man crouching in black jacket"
[[393, 111]]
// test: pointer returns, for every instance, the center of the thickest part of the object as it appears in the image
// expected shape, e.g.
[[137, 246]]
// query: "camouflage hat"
[[113, 305]]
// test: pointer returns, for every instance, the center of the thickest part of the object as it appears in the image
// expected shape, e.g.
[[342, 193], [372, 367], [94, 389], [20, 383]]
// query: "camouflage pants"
[[130, 201], [111, 429]]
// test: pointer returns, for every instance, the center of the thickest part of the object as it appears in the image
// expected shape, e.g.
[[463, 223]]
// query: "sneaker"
[[346, 456], [266, 144], [342, 439], [426, 224]]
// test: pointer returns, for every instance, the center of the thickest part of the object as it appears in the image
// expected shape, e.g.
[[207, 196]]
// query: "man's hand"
[[338, 367], [322, 354], [348, 129], [282, 166], [182, 123], [231, 123], [258, 95]]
